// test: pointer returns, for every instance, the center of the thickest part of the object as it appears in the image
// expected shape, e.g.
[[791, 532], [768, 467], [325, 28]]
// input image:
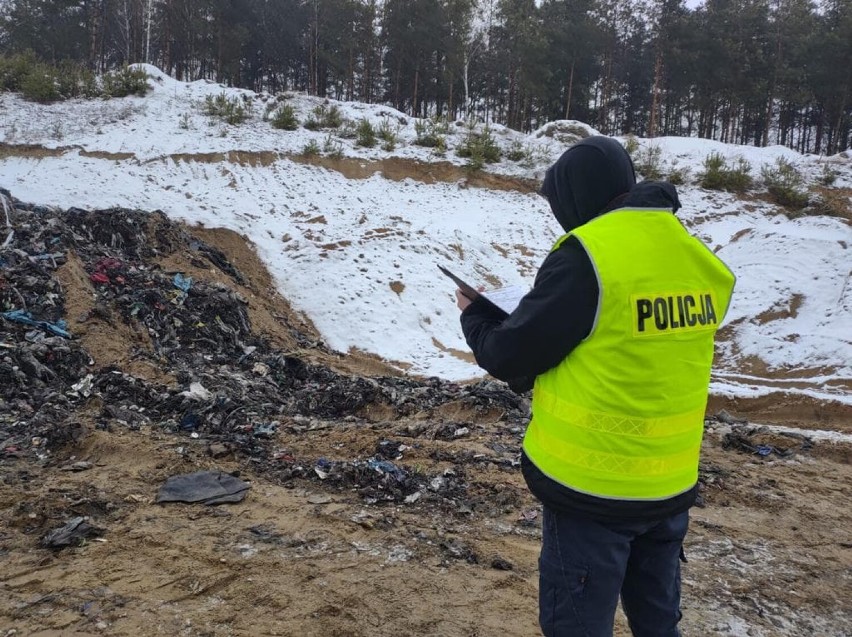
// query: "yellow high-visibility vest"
[[622, 416]]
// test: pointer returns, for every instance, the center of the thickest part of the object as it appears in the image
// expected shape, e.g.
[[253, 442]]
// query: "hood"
[[586, 179], [651, 194]]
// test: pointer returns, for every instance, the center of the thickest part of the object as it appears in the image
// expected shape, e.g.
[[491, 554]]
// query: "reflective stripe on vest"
[[622, 415]]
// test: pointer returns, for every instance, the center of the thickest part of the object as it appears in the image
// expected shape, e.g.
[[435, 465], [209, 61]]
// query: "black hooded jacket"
[[592, 177], [587, 180]]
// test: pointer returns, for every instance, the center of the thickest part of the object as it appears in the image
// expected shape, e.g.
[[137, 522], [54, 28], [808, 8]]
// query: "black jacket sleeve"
[[551, 320]]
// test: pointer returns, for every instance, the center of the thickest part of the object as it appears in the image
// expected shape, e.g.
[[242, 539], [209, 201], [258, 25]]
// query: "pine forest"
[[759, 72]]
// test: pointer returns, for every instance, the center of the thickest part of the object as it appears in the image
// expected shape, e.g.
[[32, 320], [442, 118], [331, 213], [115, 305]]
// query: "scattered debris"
[[764, 442], [182, 283], [197, 391], [233, 391], [725, 417], [528, 517], [451, 431], [457, 550], [501, 564], [77, 466], [218, 449], [25, 318], [266, 533], [206, 487], [73, 533]]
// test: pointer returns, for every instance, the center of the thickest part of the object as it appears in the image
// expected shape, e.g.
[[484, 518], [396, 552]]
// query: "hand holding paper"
[[462, 301], [504, 299]]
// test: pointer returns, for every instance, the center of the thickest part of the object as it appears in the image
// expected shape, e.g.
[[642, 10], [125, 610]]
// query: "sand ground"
[[770, 552]]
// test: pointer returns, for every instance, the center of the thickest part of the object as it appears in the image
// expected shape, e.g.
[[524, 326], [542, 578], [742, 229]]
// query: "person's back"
[[618, 334], [621, 417]]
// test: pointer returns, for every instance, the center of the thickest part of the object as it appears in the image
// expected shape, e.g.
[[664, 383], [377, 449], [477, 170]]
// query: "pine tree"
[[832, 81], [573, 42]]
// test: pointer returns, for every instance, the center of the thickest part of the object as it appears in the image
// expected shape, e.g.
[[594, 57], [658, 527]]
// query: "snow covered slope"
[[359, 256]]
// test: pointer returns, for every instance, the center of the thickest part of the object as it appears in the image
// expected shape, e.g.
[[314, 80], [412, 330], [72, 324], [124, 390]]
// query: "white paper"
[[507, 298]]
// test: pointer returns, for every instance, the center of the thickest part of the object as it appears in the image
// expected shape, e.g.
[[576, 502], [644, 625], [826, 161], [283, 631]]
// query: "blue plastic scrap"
[[189, 421], [763, 450], [182, 282], [387, 468], [25, 318]]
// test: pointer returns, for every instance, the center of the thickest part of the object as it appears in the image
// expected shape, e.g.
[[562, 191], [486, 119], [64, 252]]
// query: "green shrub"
[[718, 175], [479, 148], [366, 134], [714, 164], [124, 82], [42, 82], [310, 149], [13, 69], [431, 133], [231, 110], [324, 117], [828, 176], [535, 154], [648, 162], [631, 145], [526, 155], [740, 175], [348, 130], [678, 176], [490, 149], [475, 161], [785, 184], [388, 135], [332, 117], [517, 152], [285, 118], [332, 148], [40, 85], [75, 80]]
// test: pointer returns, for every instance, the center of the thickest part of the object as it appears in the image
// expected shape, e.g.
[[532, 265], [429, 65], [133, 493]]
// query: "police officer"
[[616, 341]]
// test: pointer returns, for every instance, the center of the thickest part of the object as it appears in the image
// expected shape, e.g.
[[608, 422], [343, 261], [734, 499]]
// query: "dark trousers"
[[585, 566]]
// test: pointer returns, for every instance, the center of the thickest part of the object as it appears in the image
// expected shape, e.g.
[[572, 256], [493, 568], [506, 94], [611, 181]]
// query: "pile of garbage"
[[763, 442], [233, 388]]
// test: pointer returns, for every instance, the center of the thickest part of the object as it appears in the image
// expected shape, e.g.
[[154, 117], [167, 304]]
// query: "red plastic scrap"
[[99, 277], [108, 263], [105, 266]]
